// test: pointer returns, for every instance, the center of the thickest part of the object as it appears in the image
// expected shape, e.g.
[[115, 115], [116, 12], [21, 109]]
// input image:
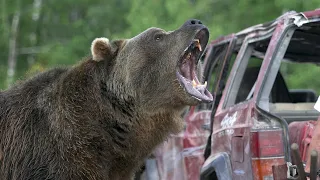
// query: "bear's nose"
[[192, 22]]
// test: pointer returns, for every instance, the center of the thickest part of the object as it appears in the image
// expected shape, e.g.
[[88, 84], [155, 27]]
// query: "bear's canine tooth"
[[198, 45], [205, 84], [194, 84], [202, 85]]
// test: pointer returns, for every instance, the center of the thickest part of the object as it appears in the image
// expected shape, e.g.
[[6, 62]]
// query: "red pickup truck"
[[250, 120], [246, 133]]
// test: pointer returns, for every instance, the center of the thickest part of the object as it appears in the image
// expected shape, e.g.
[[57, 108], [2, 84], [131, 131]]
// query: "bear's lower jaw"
[[194, 88]]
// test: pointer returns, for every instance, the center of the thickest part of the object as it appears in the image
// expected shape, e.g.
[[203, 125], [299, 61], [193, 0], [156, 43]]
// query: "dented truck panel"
[[231, 130], [181, 156]]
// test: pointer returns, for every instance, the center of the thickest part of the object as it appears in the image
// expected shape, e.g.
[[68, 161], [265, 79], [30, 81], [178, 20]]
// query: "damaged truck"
[[259, 127]]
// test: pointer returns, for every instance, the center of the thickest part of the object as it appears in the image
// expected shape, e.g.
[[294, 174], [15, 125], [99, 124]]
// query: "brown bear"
[[100, 118]]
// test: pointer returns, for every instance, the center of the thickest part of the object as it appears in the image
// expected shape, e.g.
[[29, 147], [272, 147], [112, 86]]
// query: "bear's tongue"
[[188, 78]]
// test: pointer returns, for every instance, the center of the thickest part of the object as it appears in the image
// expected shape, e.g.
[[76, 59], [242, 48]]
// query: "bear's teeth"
[[198, 45], [205, 84], [187, 58], [189, 55], [195, 84]]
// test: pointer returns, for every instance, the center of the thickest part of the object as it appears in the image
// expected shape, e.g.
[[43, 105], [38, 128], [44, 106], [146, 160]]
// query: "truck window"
[[247, 67], [217, 58], [248, 81], [297, 85], [302, 80], [218, 62]]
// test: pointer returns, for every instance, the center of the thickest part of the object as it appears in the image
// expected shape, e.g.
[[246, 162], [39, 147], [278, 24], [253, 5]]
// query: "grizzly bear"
[[100, 118]]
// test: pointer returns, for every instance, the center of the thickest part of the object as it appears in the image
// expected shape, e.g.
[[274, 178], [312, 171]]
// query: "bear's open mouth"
[[187, 67]]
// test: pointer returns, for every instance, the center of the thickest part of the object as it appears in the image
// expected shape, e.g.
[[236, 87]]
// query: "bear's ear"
[[100, 49]]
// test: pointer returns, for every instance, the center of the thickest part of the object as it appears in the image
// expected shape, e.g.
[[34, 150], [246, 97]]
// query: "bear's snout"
[[192, 23]]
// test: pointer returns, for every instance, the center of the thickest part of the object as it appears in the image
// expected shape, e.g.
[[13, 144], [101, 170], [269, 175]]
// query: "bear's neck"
[[146, 129], [154, 129]]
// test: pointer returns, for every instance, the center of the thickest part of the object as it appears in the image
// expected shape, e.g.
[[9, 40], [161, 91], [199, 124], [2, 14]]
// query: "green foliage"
[[301, 76], [65, 29]]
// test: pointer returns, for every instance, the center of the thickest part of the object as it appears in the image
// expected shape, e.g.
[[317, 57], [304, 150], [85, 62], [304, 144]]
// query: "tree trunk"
[[33, 37], [12, 58]]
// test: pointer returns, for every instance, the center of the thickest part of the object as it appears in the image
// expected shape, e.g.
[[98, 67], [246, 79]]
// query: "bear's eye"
[[158, 37]]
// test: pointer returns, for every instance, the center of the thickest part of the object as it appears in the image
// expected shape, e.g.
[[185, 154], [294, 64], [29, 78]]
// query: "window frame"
[[267, 81], [240, 65]]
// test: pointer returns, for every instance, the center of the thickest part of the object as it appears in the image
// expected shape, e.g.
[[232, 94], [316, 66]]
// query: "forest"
[[41, 34]]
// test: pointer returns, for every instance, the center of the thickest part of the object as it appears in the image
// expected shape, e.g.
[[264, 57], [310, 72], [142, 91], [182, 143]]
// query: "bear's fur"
[[102, 117]]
